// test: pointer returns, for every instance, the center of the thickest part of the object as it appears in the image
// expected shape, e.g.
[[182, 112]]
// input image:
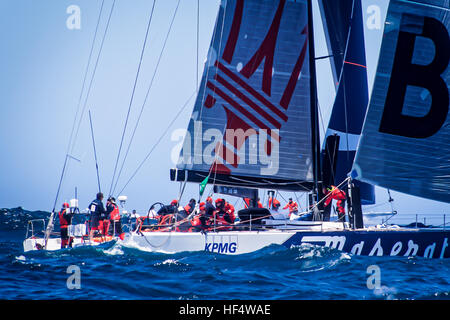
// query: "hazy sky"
[[42, 63]]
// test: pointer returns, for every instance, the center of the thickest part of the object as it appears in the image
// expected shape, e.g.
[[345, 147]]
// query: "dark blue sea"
[[117, 272]]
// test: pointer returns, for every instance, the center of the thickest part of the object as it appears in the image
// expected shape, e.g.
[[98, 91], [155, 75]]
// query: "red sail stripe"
[[219, 168], [241, 109], [234, 32], [244, 98], [252, 91], [289, 91], [355, 64], [227, 154]]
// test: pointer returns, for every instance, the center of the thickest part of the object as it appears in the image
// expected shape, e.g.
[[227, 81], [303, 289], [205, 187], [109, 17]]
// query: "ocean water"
[[114, 271]]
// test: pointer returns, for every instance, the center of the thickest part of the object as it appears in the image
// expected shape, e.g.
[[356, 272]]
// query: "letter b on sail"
[[406, 73]]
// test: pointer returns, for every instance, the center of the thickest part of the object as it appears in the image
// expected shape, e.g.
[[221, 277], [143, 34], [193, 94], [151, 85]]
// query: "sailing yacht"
[[255, 125]]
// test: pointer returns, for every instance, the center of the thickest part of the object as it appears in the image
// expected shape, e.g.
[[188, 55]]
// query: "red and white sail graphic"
[[257, 81]]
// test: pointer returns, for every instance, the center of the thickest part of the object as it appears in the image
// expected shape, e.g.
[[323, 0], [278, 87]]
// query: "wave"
[[122, 270]]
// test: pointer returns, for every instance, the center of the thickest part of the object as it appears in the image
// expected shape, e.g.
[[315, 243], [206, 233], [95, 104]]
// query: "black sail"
[[251, 124]]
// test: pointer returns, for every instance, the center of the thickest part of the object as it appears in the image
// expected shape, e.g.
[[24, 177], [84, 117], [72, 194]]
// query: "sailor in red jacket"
[[222, 218], [65, 219], [115, 225], [198, 221], [247, 203], [339, 195], [274, 204], [229, 208], [189, 208], [293, 207]]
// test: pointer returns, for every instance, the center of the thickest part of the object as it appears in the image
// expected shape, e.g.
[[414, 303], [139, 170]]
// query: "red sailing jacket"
[[63, 220], [336, 194], [293, 206], [115, 214]]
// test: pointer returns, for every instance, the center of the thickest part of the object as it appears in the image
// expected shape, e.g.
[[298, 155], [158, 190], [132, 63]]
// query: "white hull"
[[428, 243], [225, 242], [53, 244]]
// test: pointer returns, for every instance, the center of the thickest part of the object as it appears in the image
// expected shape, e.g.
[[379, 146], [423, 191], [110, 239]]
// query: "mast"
[[317, 190]]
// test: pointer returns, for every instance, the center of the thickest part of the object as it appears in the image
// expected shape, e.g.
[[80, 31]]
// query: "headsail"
[[351, 102], [405, 144], [251, 123]]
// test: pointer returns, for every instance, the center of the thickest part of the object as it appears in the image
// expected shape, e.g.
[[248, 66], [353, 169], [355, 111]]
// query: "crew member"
[[209, 207], [115, 225], [292, 206], [206, 212], [170, 208], [229, 209], [339, 195], [247, 203], [136, 216], [274, 204], [65, 219], [189, 208], [197, 222], [222, 218], [97, 211]]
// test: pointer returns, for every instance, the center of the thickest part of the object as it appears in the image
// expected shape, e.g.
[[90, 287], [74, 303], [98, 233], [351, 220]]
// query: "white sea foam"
[[114, 250]]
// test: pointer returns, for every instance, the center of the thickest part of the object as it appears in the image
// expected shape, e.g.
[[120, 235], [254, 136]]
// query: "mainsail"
[[251, 124], [351, 101], [405, 144]]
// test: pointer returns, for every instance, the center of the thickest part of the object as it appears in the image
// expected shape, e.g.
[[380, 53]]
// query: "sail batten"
[[251, 122], [405, 145]]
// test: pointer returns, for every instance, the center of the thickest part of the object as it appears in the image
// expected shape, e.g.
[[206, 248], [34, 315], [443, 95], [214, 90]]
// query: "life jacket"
[[189, 208], [293, 207], [63, 221], [336, 194], [223, 220], [229, 208], [274, 203], [247, 203], [196, 222], [115, 214]]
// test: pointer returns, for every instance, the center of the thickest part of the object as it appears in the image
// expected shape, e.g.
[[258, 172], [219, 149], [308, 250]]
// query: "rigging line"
[[145, 99], [198, 38], [282, 196], [132, 97], [78, 108], [94, 72], [346, 118], [325, 139], [157, 143], [343, 79], [95, 152], [298, 201], [85, 75]]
